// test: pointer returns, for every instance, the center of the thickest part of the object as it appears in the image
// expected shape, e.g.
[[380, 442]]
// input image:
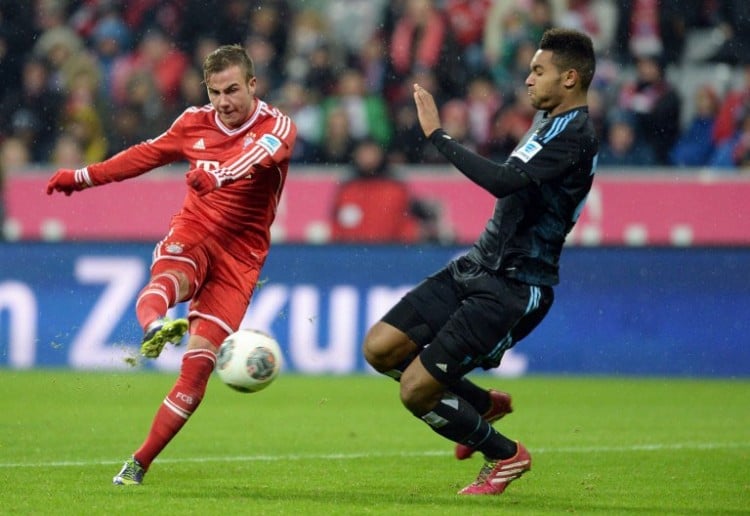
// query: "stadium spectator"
[[656, 105], [192, 91], [422, 38], [238, 153], [732, 18], [621, 149], [164, 16], [111, 39], [510, 24], [466, 19], [49, 14], [128, 127], [268, 22], [32, 111], [367, 113], [374, 206], [322, 73], [482, 101], [156, 56], [353, 23], [509, 125], [409, 144], [312, 41], [17, 34], [469, 313], [142, 94], [735, 102], [264, 54], [733, 152], [695, 145], [337, 143], [371, 61], [455, 117], [85, 110], [204, 45], [15, 156], [310, 60], [651, 27], [83, 124], [294, 99], [67, 152], [598, 109], [59, 47], [597, 18]]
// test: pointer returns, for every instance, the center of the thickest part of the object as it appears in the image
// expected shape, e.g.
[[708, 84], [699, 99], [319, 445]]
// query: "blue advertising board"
[[624, 311]]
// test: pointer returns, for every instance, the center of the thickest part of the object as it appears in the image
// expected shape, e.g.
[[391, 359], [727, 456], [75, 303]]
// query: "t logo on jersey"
[[527, 151], [207, 165]]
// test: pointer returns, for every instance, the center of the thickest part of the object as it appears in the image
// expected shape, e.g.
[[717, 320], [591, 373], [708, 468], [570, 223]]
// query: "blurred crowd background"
[[83, 79]]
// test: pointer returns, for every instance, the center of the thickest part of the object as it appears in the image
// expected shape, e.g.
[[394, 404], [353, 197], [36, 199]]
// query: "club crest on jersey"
[[174, 248], [527, 151], [249, 139]]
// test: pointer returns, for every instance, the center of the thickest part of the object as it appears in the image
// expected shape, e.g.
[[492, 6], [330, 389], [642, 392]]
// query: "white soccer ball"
[[248, 360]]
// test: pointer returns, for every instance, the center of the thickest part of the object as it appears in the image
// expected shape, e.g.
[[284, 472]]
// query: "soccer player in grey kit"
[[481, 304]]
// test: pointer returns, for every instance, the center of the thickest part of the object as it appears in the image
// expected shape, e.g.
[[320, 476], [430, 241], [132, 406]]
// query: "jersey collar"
[[259, 106]]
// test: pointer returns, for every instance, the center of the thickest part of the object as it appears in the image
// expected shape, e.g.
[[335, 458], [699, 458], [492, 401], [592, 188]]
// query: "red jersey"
[[255, 154]]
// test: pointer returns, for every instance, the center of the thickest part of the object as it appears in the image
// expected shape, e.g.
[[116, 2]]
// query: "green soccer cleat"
[[131, 474], [161, 332]]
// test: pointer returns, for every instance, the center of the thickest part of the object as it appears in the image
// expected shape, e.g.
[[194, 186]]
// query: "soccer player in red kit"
[[238, 149]]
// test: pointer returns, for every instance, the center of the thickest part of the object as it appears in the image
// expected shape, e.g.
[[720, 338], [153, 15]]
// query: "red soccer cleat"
[[500, 406], [495, 476]]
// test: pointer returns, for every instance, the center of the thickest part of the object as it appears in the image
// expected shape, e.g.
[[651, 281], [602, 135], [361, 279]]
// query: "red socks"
[[156, 298], [179, 404]]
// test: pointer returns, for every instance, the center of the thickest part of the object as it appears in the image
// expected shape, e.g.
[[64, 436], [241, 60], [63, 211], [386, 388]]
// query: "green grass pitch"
[[343, 445]]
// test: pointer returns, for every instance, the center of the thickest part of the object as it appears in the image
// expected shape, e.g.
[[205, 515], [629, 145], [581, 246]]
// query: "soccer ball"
[[248, 360]]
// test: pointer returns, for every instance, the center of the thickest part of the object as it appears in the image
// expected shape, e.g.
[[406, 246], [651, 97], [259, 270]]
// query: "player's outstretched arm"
[[499, 180]]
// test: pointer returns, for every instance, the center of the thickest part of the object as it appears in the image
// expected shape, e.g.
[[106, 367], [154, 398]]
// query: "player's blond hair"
[[226, 56]]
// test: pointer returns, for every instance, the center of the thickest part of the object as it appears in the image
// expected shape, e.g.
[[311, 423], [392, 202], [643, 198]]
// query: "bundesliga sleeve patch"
[[270, 143], [527, 151]]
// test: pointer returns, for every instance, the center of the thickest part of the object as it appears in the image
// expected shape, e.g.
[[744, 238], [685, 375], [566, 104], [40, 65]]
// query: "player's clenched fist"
[[201, 181], [68, 181]]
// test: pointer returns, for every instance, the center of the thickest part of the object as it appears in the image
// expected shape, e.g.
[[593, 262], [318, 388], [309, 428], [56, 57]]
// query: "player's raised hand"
[[67, 181], [427, 110], [202, 181]]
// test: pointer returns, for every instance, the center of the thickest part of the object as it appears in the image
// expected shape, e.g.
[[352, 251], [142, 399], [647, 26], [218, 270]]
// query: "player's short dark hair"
[[226, 56], [571, 49]]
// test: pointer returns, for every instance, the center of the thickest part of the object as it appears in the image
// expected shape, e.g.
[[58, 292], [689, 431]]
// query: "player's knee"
[[375, 355], [376, 350], [385, 347]]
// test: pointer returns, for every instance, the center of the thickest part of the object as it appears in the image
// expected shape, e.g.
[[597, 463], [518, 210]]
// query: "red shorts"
[[221, 284]]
